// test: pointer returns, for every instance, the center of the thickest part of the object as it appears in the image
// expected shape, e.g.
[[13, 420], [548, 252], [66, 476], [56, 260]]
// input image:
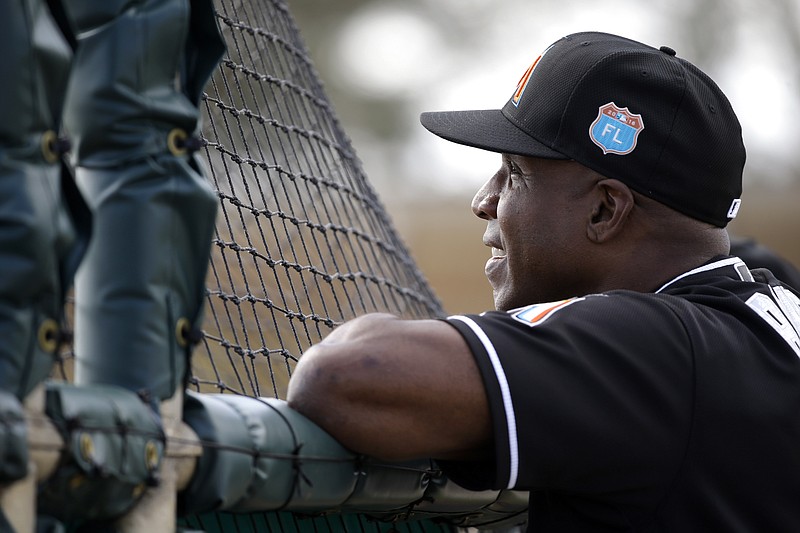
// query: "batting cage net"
[[302, 241]]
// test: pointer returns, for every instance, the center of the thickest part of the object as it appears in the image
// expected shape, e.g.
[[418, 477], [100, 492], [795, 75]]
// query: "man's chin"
[[501, 301], [508, 300]]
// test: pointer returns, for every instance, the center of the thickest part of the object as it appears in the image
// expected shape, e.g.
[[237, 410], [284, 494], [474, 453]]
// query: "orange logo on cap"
[[523, 81]]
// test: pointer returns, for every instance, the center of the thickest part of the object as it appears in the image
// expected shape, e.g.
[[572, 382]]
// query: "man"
[[658, 388]]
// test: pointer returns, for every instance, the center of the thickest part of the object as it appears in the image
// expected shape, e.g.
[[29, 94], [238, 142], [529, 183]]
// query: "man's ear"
[[613, 203]]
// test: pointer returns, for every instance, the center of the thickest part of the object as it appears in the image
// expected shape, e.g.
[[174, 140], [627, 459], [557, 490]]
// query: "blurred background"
[[383, 62]]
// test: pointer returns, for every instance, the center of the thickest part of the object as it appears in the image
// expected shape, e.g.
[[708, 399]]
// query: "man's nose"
[[484, 204]]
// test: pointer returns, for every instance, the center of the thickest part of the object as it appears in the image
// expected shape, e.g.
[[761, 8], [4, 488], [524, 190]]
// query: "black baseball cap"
[[627, 110]]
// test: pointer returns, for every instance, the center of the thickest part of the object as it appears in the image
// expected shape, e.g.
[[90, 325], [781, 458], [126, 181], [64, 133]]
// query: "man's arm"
[[395, 389]]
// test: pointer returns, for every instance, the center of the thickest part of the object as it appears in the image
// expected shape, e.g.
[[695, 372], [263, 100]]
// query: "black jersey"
[[671, 411]]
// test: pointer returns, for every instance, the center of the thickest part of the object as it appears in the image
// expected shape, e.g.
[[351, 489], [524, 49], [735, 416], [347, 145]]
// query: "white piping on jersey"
[[705, 268], [511, 420]]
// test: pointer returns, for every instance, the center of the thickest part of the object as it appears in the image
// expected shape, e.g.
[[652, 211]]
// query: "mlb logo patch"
[[536, 314], [616, 129]]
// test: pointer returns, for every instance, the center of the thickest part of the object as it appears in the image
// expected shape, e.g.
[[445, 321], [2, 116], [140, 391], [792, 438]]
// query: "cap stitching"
[[549, 146], [710, 218], [657, 163]]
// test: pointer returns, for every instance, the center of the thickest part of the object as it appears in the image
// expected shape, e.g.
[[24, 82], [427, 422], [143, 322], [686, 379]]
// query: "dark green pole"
[[133, 117], [44, 225]]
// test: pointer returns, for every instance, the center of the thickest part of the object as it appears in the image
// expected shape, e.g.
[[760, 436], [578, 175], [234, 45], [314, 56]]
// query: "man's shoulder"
[[600, 307], [623, 313]]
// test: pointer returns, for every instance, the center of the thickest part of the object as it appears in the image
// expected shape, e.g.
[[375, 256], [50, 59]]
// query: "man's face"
[[537, 212]]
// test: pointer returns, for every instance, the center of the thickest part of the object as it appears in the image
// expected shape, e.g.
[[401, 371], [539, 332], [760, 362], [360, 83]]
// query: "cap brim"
[[487, 129]]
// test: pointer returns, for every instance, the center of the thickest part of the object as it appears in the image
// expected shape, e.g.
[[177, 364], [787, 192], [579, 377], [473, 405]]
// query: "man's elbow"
[[325, 389], [312, 389]]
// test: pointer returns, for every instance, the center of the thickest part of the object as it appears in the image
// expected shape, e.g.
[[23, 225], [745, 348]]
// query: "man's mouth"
[[494, 265]]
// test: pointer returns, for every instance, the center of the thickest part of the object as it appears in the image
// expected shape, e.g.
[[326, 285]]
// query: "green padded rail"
[[114, 446], [260, 455]]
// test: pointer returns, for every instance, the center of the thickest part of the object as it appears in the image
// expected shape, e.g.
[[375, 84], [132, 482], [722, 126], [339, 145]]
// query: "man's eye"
[[515, 176]]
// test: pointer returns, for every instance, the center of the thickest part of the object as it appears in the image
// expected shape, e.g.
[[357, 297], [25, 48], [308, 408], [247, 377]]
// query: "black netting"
[[302, 241]]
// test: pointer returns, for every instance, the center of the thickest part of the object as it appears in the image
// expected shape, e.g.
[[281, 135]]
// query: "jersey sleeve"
[[589, 394]]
